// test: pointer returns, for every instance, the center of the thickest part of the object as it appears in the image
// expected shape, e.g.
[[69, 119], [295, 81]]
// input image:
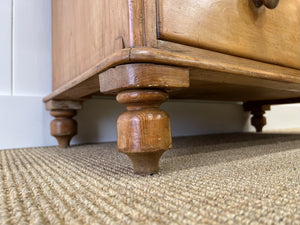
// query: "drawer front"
[[234, 27]]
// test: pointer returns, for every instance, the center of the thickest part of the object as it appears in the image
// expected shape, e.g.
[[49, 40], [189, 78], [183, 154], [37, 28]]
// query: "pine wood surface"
[[86, 49], [143, 51], [184, 56], [63, 127], [86, 32], [63, 105], [144, 130], [73, 88], [143, 75], [235, 27], [217, 68]]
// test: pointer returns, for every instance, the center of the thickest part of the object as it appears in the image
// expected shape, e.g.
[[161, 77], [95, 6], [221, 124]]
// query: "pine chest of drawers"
[[146, 51]]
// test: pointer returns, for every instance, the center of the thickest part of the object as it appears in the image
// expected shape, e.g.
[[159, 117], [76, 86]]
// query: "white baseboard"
[[24, 122]]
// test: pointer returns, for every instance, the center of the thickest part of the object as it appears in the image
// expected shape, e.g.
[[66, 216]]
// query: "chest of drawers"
[[146, 51]]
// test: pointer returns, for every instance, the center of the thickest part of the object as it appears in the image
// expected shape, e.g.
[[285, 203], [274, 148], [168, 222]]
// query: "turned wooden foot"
[[257, 120], [63, 127], [144, 130], [145, 163]]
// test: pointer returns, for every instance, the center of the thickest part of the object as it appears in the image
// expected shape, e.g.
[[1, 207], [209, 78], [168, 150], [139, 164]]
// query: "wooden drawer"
[[235, 27]]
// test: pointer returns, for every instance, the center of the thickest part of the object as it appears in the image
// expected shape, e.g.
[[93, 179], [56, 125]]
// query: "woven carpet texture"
[[213, 179]]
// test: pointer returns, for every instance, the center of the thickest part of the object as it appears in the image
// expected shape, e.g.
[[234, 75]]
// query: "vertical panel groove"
[[12, 50]]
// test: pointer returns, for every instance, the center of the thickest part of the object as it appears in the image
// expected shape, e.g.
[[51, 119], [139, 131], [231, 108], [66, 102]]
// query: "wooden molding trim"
[[120, 57], [136, 23], [205, 59], [143, 75], [144, 130], [188, 58], [63, 105]]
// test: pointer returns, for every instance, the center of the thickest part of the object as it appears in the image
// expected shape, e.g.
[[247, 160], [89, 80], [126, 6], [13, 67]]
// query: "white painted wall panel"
[[199, 117], [5, 47], [24, 122], [98, 119], [283, 117], [32, 48]]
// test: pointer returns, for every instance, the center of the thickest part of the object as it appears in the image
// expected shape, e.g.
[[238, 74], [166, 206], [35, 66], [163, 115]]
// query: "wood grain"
[[185, 56], [235, 27], [76, 88], [141, 75], [113, 46], [144, 131], [215, 65], [83, 49], [150, 14], [84, 33], [136, 21], [63, 127], [142, 23], [63, 105], [224, 91]]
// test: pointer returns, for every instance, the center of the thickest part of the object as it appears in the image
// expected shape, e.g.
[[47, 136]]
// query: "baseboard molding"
[[24, 122]]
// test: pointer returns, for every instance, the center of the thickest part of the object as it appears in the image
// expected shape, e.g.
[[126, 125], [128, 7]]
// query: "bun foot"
[[258, 120], [145, 163], [144, 131], [63, 127]]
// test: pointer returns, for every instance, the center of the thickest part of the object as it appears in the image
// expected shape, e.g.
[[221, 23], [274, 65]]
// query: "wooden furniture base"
[[144, 131], [63, 127], [146, 51]]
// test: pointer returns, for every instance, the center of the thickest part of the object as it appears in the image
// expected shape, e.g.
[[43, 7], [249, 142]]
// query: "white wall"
[[25, 78], [97, 120], [5, 47], [25, 72]]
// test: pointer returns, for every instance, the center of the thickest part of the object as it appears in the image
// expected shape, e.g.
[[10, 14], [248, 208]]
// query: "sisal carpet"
[[214, 179]]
